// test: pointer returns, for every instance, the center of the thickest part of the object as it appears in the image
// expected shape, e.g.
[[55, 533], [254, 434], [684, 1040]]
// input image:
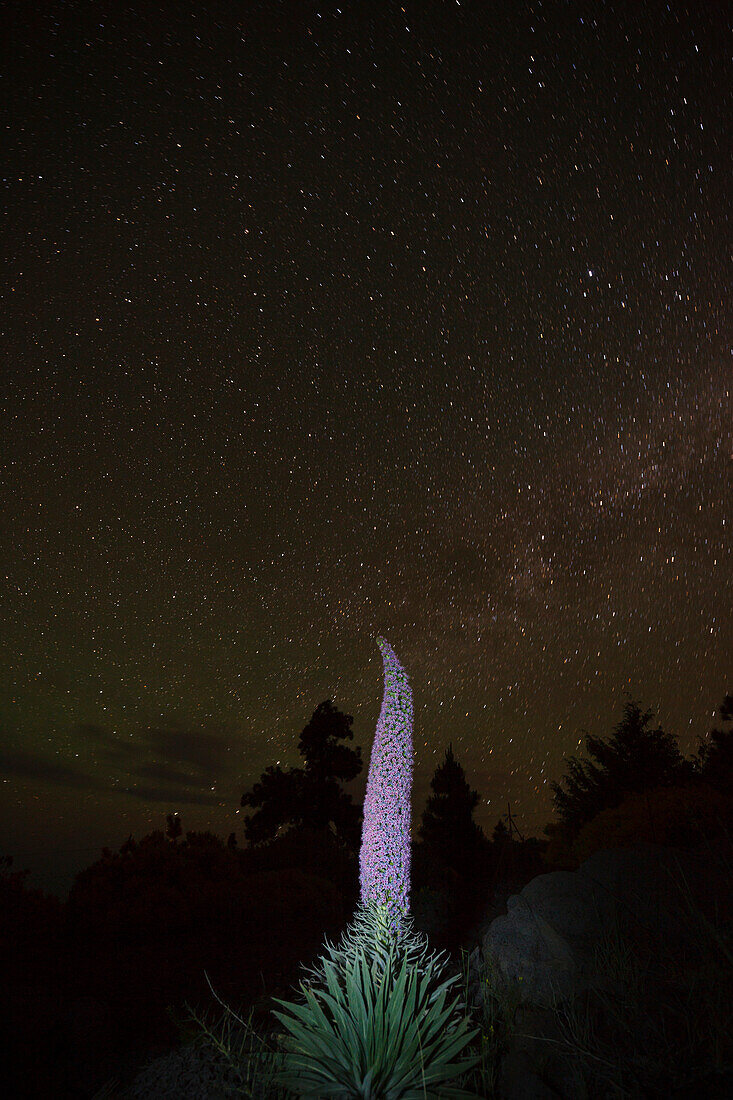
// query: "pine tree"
[[635, 758], [714, 758], [501, 835], [447, 829], [312, 796]]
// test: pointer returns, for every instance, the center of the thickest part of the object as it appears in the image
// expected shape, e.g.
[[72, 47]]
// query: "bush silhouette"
[[147, 921], [635, 758], [674, 816]]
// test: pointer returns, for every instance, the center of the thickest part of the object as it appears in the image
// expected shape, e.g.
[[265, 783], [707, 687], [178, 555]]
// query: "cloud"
[[91, 731], [162, 772], [201, 750], [178, 766], [193, 750], [26, 765], [182, 763], [173, 797]]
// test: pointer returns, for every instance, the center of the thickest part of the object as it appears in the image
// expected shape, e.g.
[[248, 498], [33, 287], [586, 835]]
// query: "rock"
[[519, 1079], [90, 1043], [547, 974], [534, 1068], [190, 1072], [546, 944]]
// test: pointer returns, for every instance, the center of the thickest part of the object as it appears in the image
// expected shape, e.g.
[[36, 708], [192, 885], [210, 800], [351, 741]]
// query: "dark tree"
[[448, 831], [129, 846], [312, 796], [635, 758], [328, 764], [714, 759], [278, 799], [173, 827], [203, 838], [501, 835]]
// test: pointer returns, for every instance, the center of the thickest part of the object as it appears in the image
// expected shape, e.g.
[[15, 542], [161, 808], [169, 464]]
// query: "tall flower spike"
[[384, 859]]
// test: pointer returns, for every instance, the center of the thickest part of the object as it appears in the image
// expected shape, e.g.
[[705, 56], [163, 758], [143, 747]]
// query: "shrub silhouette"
[[30, 923], [32, 952], [147, 921], [315, 851], [635, 758], [668, 815], [714, 757]]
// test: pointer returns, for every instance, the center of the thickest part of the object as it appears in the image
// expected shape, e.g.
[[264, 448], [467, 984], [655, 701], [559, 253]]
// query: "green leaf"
[[376, 1014], [319, 1047], [447, 1046], [358, 1024], [346, 1035], [401, 1027]]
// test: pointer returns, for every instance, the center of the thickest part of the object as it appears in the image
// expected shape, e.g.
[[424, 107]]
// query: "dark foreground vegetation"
[[96, 986]]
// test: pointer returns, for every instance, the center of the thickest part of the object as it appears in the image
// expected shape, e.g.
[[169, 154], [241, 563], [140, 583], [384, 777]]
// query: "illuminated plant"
[[377, 1016], [384, 859], [380, 1018]]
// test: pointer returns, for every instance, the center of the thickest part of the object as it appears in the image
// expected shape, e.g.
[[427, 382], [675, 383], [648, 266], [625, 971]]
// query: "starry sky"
[[326, 322]]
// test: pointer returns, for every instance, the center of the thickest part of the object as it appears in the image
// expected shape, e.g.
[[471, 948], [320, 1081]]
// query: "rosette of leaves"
[[377, 1018]]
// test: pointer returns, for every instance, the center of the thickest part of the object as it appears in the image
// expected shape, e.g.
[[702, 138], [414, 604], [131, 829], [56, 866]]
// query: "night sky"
[[320, 323]]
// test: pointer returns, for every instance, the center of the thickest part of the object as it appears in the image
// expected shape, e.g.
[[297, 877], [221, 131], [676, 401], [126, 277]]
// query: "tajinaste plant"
[[376, 1018], [384, 858]]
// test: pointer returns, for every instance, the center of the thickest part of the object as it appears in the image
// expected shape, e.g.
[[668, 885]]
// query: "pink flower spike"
[[384, 859]]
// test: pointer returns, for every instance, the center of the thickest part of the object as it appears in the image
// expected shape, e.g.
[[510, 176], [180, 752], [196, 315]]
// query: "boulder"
[[545, 946], [545, 942], [558, 954]]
